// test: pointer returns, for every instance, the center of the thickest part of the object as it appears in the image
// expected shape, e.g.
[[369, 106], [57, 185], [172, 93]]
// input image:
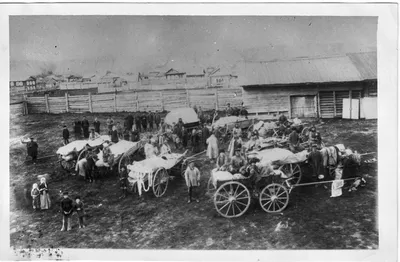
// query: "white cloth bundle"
[[121, 147], [258, 125], [224, 176], [267, 156]]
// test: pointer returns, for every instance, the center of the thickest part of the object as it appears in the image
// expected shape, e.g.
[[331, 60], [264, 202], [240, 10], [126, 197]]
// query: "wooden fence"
[[213, 98]]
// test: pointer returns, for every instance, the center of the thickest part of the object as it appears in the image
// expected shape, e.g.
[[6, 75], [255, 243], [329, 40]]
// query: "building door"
[[303, 106], [351, 108]]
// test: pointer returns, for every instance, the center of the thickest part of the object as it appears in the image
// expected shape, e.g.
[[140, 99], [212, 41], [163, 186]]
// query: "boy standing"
[[192, 178], [66, 135], [79, 211], [67, 209]]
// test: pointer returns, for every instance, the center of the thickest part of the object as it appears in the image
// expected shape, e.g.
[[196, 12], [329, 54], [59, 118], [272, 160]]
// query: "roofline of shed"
[[305, 83]]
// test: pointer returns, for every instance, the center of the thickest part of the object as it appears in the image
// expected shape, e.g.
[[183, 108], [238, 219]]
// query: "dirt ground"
[[312, 219]]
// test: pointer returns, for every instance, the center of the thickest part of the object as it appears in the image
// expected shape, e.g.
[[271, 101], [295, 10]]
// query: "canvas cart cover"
[[294, 158], [188, 115], [151, 164], [223, 176], [268, 156], [120, 148], [227, 120], [78, 145]]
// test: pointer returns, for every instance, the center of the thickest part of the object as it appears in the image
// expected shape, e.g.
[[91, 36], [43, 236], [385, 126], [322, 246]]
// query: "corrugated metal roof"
[[308, 70], [366, 64]]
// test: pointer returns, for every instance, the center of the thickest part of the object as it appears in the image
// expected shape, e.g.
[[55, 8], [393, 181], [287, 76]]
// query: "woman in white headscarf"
[[212, 148], [45, 202]]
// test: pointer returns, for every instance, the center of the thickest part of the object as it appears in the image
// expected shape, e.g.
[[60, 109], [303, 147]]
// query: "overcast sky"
[[85, 44]]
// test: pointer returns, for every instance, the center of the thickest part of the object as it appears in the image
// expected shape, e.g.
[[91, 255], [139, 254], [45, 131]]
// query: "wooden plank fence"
[[156, 100]]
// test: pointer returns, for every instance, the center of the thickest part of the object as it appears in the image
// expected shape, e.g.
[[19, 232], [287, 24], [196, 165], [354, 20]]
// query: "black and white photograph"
[[194, 132]]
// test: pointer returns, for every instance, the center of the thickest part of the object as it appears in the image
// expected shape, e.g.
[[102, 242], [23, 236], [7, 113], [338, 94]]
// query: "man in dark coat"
[[96, 125], [129, 122], [157, 120], [78, 129], [151, 120], [316, 162], [66, 135], [85, 127], [32, 148], [243, 111], [143, 119], [229, 110], [138, 122], [67, 208]]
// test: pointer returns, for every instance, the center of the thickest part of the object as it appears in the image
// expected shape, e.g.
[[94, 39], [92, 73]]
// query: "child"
[[35, 196], [67, 209], [66, 135], [337, 184], [123, 181], [192, 178], [79, 211]]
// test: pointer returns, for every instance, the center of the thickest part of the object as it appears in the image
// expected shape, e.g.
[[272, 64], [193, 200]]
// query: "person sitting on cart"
[[252, 172], [165, 148], [93, 135], [149, 149], [222, 161], [254, 143], [236, 142], [282, 120], [237, 164], [237, 130], [314, 137], [108, 157], [294, 141]]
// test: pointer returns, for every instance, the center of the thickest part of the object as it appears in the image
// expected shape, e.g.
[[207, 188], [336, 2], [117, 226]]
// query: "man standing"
[[144, 122], [66, 135], [32, 148], [151, 121], [85, 127], [229, 110], [243, 111], [157, 120], [110, 123], [192, 178], [96, 125], [205, 134], [67, 208], [138, 122], [129, 122]]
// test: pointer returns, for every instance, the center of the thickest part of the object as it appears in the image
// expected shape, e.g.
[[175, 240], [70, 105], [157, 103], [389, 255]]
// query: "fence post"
[[46, 99], [187, 98], [137, 102], [216, 100], [115, 101], [66, 102], [162, 101], [90, 103], [25, 110]]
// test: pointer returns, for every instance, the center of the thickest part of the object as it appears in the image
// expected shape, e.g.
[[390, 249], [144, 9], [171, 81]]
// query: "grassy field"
[[313, 219]]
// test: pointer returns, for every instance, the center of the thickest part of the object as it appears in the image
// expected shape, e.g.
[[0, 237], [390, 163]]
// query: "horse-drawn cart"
[[153, 173], [71, 153]]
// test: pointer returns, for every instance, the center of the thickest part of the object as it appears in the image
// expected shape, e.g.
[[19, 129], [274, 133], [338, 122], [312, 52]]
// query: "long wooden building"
[[309, 87]]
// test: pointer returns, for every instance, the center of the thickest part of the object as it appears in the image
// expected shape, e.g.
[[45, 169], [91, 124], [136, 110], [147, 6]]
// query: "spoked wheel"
[[160, 182], [83, 154], [68, 165], [305, 133], [184, 166], [126, 159], [232, 199], [210, 186], [293, 171], [274, 198]]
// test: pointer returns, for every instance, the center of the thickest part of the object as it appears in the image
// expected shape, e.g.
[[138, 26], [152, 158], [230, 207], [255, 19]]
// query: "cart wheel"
[[160, 182], [293, 171], [305, 133], [210, 186], [232, 199], [82, 154], [183, 168], [124, 162], [68, 165], [274, 198]]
